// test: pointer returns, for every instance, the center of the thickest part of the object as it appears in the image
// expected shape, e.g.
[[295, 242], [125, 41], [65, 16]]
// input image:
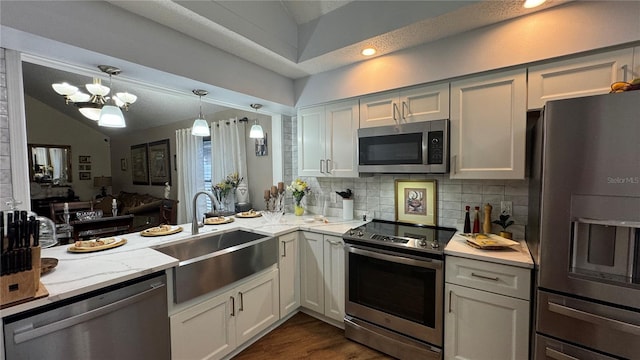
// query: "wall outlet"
[[506, 207]]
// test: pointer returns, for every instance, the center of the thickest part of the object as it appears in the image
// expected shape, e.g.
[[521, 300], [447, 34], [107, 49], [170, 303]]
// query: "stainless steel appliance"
[[127, 321], [394, 288], [584, 227], [421, 147]]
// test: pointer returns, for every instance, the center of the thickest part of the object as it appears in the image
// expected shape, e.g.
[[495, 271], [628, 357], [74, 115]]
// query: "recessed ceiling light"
[[368, 51], [533, 3]]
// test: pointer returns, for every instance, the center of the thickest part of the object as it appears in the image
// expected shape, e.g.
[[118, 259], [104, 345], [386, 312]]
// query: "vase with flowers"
[[298, 189], [224, 192]]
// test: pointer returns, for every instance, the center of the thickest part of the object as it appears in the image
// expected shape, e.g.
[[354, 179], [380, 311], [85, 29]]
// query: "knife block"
[[22, 285]]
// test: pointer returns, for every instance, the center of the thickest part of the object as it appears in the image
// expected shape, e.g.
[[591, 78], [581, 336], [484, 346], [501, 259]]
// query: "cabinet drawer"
[[497, 278]]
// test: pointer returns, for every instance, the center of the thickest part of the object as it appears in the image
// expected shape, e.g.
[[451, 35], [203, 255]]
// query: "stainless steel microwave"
[[421, 147]]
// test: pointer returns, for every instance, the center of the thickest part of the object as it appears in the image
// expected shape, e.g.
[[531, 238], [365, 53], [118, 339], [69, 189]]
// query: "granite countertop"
[[79, 273], [517, 255]]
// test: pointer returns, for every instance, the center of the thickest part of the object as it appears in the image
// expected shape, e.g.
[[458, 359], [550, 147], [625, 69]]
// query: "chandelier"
[[95, 105]]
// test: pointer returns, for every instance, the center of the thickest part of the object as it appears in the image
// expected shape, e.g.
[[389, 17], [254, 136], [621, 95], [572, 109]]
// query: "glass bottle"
[[476, 220], [467, 221]]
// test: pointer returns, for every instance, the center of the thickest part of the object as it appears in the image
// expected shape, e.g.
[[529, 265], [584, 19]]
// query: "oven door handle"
[[425, 263]]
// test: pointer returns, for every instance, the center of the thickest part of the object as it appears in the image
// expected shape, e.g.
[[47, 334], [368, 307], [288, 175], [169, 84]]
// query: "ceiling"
[[292, 38]]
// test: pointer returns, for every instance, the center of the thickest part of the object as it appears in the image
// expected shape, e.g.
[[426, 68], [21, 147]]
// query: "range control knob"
[[360, 233], [435, 245], [351, 232], [422, 242]]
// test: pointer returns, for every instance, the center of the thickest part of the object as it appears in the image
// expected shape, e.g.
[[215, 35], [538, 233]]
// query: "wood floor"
[[304, 337]]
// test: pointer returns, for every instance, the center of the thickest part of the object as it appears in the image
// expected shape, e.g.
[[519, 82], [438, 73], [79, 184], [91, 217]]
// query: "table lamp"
[[102, 182]]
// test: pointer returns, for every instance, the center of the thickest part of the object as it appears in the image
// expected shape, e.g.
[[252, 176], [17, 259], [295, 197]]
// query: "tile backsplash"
[[375, 195]]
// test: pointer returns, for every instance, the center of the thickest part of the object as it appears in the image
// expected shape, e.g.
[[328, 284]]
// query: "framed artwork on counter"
[[416, 201]]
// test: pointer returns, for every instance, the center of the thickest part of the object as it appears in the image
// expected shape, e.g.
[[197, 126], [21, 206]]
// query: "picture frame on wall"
[[84, 159], [159, 162], [123, 164], [84, 175], [416, 201], [139, 165]]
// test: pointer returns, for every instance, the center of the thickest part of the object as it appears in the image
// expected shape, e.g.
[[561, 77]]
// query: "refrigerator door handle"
[[594, 319], [557, 355], [631, 224]]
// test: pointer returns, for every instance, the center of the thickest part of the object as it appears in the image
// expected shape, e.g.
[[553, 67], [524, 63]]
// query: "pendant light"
[[256, 130], [110, 115], [200, 126]]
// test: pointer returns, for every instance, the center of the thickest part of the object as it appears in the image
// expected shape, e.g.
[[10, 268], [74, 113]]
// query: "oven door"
[[395, 291]]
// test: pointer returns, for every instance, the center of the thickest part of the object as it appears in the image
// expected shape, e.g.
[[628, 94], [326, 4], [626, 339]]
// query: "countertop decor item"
[[504, 222], [416, 201], [347, 204], [298, 189], [486, 224]]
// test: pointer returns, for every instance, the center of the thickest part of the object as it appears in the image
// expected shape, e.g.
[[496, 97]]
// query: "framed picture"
[[261, 146], [84, 159], [123, 164], [159, 162], [84, 175], [139, 165], [416, 201]]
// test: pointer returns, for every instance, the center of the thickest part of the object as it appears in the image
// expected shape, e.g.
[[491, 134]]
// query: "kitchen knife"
[[36, 234]]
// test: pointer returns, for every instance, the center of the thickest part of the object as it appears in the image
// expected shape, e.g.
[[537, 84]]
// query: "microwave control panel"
[[435, 145]]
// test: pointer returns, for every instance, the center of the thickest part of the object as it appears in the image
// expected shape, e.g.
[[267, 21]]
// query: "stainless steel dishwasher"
[[126, 321]]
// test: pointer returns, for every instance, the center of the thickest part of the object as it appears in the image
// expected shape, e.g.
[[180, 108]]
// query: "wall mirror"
[[50, 163]]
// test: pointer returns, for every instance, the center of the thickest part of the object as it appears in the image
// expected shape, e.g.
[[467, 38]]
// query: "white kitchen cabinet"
[[288, 265], [217, 326], [635, 73], [405, 106], [327, 140], [488, 126], [483, 318], [322, 274], [583, 76], [334, 277]]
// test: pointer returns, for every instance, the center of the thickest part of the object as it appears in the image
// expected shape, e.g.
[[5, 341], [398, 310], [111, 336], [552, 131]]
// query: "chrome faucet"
[[194, 223]]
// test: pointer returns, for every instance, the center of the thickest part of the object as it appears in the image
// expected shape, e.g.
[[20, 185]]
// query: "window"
[[206, 163]]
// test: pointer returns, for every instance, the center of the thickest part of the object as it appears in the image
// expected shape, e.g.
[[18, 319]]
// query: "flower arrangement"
[[298, 189], [224, 187]]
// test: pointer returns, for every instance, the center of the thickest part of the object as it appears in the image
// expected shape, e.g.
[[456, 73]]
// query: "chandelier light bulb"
[[91, 113], [79, 96], [64, 89], [97, 88]]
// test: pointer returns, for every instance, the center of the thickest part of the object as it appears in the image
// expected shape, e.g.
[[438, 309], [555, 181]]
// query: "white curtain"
[[190, 167], [228, 150], [56, 162]]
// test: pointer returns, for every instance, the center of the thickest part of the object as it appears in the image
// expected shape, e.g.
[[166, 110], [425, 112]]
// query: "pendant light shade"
[[111, 116], [200, 126], [256, 130], [92, 113]]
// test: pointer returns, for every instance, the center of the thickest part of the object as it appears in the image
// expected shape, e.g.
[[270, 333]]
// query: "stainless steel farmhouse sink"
[[208, 263]]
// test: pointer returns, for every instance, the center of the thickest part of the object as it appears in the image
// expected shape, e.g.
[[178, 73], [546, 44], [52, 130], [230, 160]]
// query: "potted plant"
[[504, 222]]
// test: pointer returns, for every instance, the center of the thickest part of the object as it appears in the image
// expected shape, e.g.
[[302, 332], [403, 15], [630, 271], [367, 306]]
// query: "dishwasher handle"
[[29, 333]]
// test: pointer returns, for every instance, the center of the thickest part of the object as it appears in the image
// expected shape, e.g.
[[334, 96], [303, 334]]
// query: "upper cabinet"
[[488, 126], [583, 76], [327, 140], [405, 106]]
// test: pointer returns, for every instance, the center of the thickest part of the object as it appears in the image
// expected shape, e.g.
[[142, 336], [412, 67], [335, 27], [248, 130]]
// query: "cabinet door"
[[311, 272], [425, 103], [379, 110], [584, 76], [311, 141], [334, 277], [484, 326], [289, 274], [204, 331], [341, 137], [257, 306], [488, 126]]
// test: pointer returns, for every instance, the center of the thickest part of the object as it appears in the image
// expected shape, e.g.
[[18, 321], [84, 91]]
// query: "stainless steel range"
[[394, 287]]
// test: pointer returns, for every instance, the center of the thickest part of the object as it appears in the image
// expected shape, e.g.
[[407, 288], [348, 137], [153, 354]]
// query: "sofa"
[[148, 210]]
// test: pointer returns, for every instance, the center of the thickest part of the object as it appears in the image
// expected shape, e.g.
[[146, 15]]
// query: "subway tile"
[[522, 200], [450, 205], [452, 214], [493, 189], [471, 199], [512, 190], [4, 122], [451, 188], [451, 197], [471, 188]]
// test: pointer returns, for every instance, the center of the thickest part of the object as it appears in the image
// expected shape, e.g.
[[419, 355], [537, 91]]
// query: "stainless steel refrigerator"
[[584, 228]]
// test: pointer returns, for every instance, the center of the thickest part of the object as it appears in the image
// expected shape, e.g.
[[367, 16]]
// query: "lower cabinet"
[[289, 266], [322, 274], [486, 310], [215, 327]]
